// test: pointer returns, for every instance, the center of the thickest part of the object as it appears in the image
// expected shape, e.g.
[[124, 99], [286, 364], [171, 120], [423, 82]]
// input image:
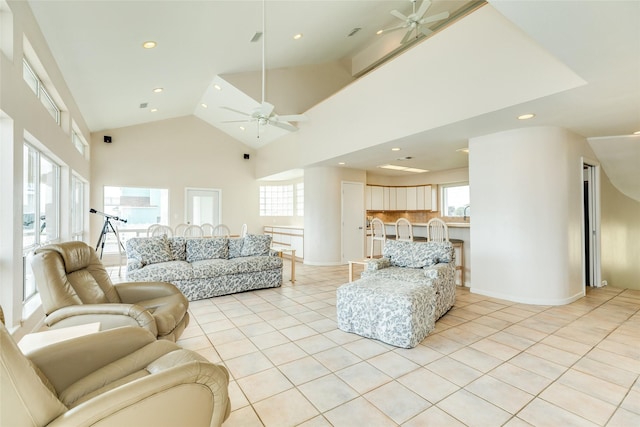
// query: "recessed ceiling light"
[[204, 105], [297, 36], [637, 132], [341, 163], [526, 116], [153, 110], [241, 127], [379, 32], [217, 87], [150, 44], [463, 150], [157, 90], [395, 149]]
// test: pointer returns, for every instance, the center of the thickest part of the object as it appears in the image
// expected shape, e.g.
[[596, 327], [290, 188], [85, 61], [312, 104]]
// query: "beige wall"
[[176, 154], [620, 229]]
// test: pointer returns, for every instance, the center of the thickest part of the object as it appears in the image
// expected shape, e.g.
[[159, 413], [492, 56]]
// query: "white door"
[[353, 220], [202, 205]]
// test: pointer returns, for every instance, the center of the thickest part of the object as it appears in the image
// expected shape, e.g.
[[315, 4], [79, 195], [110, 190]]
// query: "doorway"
[[203, 206], [353, 217], [591, 223]]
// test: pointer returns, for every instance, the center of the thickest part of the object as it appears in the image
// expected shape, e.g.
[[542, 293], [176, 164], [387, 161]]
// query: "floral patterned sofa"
[[204, 267], [401, 295]]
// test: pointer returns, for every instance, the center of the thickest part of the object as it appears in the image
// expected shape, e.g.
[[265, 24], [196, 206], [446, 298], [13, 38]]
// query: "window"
[[78, 142], [455, 200], [77, 207], [41, 207], [276, 200], [34, 82], [141, 207]]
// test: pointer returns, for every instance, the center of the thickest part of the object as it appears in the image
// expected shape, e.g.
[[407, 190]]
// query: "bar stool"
[[377, 233], [404, 230]]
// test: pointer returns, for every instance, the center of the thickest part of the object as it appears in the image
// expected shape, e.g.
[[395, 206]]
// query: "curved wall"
[[527, 215]]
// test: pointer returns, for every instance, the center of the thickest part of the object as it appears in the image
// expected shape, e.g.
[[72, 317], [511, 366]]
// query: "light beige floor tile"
[[472, 410], [236, 348], [236, 396], [623, 349], [263, 384], [420, 354], [243, 417], [593, 386], [606, 372], [393, 364], [476, 359], [210, 354], [624, 418], [226, 336], [358, 412], [365, 348], [337, 358], [527, 333], [248, 364], [249, 319], [397, 402], [517, 422], [521, 378], [328, 392], [363, 377], [615, 360], [195, 343], [579, 403], [255, 329], [217, 325], [567, 345], [442, 344], [538, 365], [454, 371], [341, 337], [323, 325], [555, 355], [506, 339], [433, 416], [269, 340], [303, 370], [289, 408], [315, 344], [284, 322], [430, 386], [318, 421], [541, 413], [298, 332], [632, 402], [502, 395]]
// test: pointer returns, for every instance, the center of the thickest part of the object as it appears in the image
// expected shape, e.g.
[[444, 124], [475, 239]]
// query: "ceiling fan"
[[416, 21], [265, 113]]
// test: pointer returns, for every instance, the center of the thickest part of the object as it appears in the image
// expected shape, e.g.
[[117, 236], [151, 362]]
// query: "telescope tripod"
[[106, 228]]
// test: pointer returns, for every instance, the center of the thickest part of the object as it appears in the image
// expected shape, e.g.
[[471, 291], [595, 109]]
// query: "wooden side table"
[[359, 262], [292, 253]]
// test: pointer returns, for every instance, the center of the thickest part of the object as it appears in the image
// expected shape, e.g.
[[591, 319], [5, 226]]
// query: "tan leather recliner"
[[120, 377], [75, 289]]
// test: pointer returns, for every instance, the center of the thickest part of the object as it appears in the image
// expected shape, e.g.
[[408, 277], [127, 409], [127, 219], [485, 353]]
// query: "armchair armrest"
[[437, 271], [194, 393], [65, 362], [134, 292], [378, 264], [138, 314]]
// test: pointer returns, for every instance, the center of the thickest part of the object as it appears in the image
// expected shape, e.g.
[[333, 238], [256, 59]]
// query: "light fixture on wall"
[[526, 116]]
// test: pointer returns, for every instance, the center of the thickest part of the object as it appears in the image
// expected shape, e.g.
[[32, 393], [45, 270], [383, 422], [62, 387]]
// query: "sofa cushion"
[[256, 263], [149, 250], [170, 271], [207, 248], [256, 244], [417, 254], [178, 246], [213, 268], [235, 247]]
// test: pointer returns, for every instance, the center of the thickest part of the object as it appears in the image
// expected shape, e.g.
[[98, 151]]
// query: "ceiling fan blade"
[[427, 32], [237, 111], [236, 121], [283, 125], [389, 30], [434, 18], [292, 118], [399, 15], [266, 109], [407, 36], [426, 4]]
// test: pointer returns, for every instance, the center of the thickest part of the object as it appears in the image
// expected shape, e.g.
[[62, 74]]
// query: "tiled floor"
[[488, 363]]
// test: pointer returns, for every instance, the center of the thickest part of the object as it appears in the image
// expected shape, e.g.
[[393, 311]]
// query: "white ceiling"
[[97, 45]]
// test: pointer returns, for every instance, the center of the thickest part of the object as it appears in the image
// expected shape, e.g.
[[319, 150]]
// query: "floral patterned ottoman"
[[396, 312]]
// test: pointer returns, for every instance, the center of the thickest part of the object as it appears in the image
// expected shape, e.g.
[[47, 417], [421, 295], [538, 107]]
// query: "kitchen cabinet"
[[414, 198]]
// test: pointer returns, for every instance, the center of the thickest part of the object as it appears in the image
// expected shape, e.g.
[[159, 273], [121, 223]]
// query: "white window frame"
[[35, 83], [445, 204]]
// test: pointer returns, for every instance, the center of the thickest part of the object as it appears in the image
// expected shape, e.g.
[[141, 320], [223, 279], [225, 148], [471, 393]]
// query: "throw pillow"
[[178, 247], [235, 247], [256, 244], [207, 248], [150, 250]]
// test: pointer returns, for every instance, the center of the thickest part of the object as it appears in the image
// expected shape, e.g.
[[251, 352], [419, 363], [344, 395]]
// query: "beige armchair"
[[75, 289], [120, 377]]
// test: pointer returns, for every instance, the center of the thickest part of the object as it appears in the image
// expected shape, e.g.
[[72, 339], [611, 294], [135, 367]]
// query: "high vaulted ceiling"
[[97, 45]]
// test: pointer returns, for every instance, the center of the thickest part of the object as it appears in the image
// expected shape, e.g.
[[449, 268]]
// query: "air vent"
[[144, 105], [405, 158], [256, 36], [354, 31]]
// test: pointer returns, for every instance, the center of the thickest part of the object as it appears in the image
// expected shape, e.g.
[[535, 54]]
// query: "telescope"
[[115, 218]]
